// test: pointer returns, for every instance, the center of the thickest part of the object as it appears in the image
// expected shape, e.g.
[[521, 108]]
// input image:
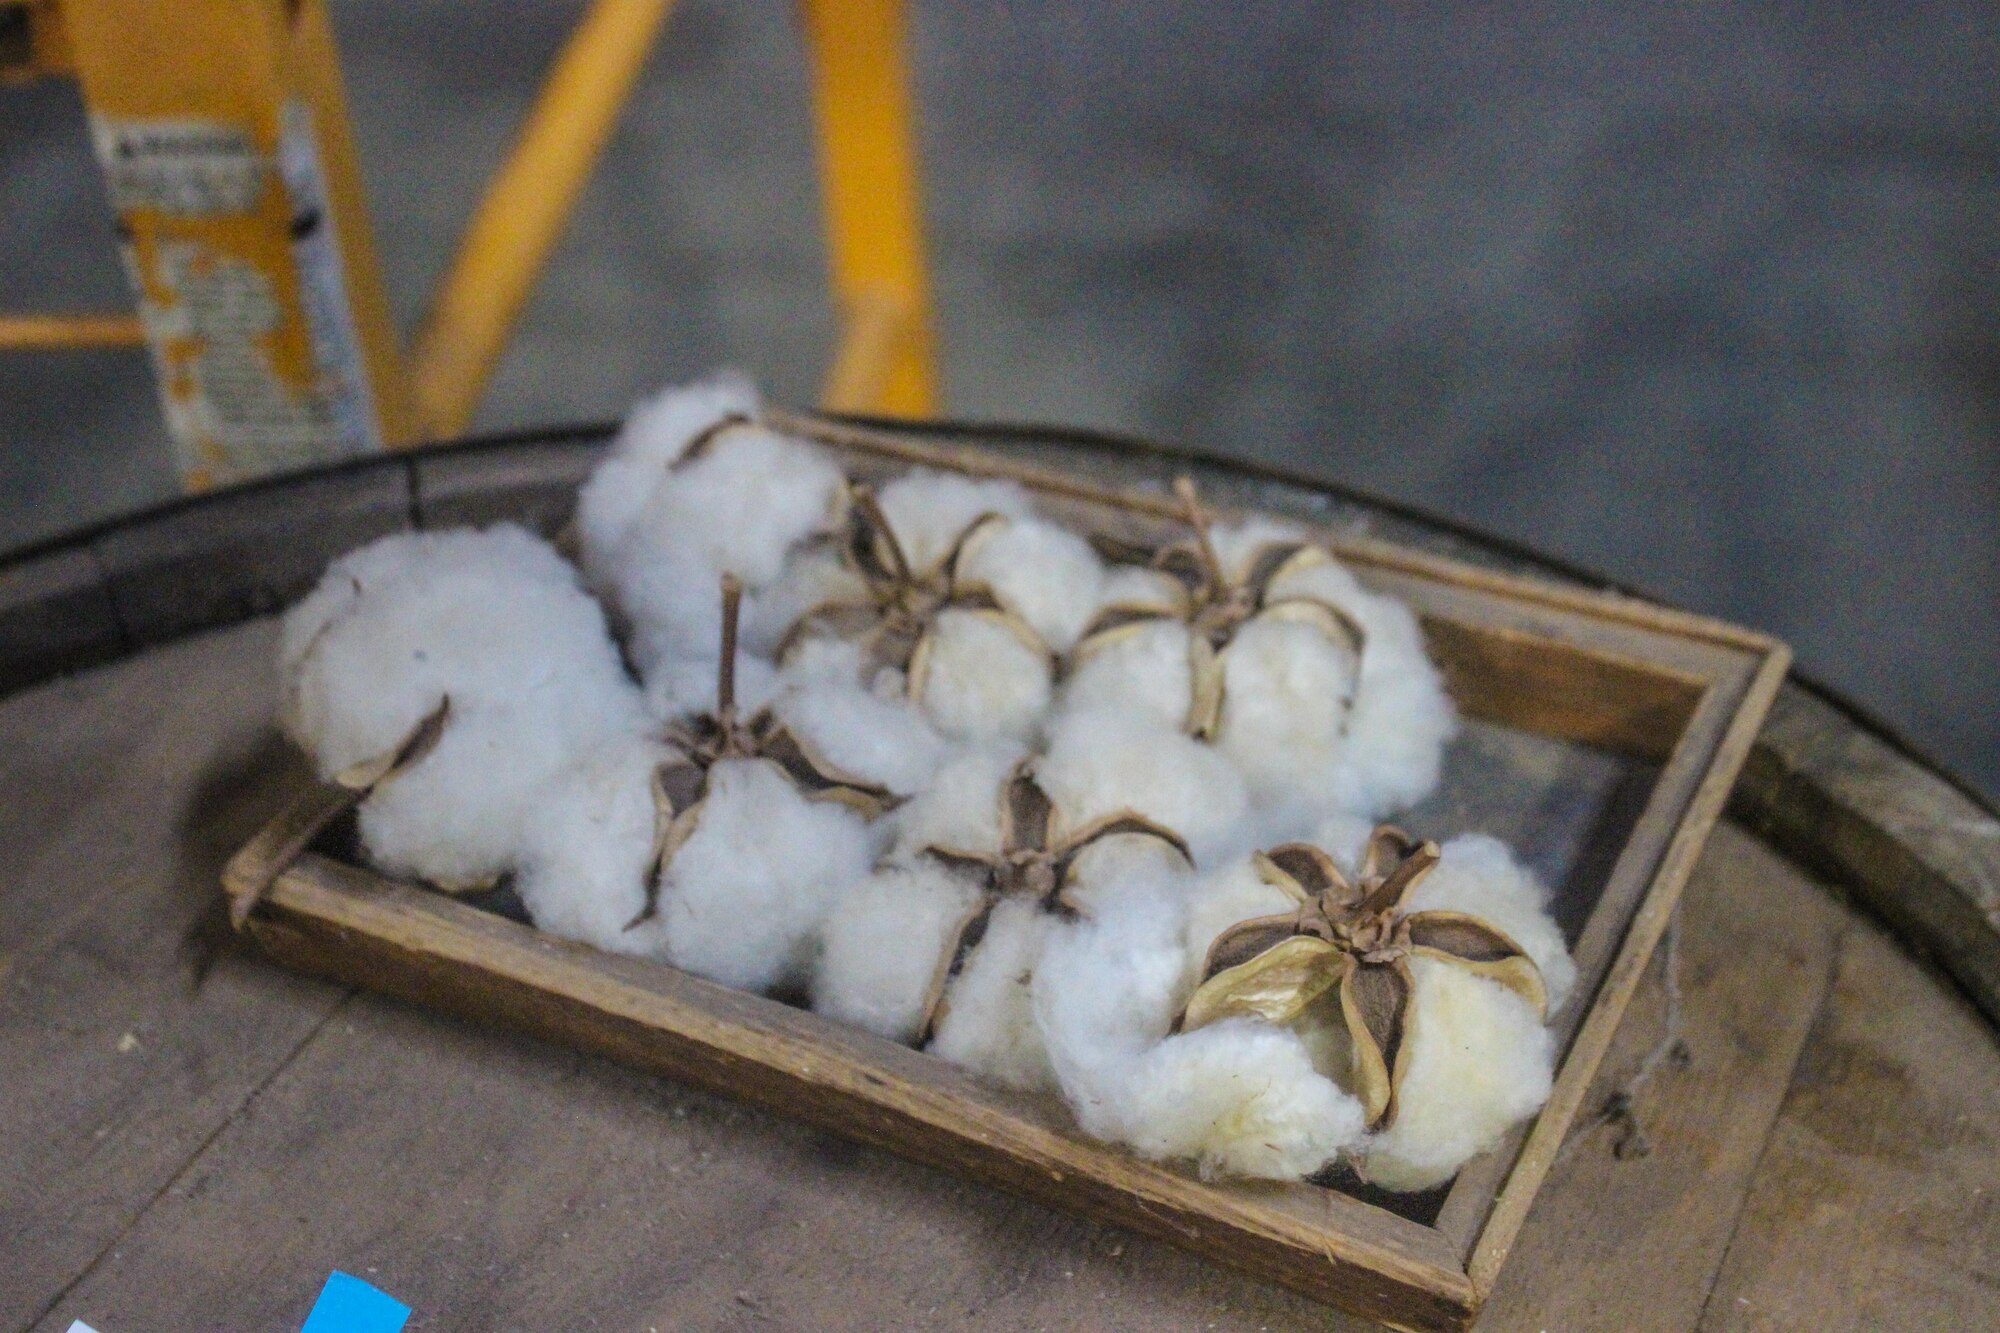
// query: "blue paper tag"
[[349, 1305]]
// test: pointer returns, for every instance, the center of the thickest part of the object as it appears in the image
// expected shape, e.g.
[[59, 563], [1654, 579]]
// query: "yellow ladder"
[[221, 127]]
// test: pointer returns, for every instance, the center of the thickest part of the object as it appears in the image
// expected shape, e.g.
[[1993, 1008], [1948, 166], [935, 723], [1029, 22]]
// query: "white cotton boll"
[[983, 680], [883, 943], [825, 661], [587, 844], [885, 741], [1144, 670], [1045, 574], [989, 1021], [1480, 1061], [681, 687], [746, 893], [738, 509], [928, 511], [1479, 876], [1104, 760], [960, 808], [485, 617], [656, 433], [1283, 686]]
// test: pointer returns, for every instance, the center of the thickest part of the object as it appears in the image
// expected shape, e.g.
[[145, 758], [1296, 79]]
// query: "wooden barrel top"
[[193, 1138]]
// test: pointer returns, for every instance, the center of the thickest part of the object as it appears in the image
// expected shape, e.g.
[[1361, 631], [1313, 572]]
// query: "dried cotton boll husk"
[[882, 943], [988, 1020], [1045, 574], [978, 678], [588, 846], [1480, 1062], [1107, 759], [743, 898], [1479, 875]]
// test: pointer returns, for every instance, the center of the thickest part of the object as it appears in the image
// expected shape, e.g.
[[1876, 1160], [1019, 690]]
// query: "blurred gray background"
[[1703, 297]]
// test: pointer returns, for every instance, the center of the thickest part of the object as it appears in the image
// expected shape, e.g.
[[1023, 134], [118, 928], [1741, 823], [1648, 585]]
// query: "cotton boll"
[[587, 845], [981, 679], [929, 511], [1479, 876], [745, 894], [1045, 574], [960, 808], [739, 508], [989, 1019], [1143, 668], [655, 435], [485, 617], [885, 741], [1480, 1061], [493, 621], [883, 943], [1104, 760], [1284, 686]]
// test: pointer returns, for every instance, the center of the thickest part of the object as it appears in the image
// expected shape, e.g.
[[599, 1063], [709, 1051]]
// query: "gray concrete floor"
[[1706, 299]]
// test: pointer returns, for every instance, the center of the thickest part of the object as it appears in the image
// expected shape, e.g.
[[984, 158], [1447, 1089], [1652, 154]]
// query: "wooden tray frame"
[[1583, 666]]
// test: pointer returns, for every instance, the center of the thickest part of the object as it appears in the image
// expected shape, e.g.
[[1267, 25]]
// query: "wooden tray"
[[1602, 737]]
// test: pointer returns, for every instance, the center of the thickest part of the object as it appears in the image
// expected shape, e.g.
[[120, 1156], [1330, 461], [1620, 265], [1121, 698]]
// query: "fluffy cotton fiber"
[[587, 846], [1481, 1058], [1103, 760], [1237, 1098], [1480, 1062], [883, 943], [659, 528], [745, 895], [495, 621]]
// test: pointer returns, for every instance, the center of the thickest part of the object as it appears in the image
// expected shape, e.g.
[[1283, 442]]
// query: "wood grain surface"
[[266, 1129]]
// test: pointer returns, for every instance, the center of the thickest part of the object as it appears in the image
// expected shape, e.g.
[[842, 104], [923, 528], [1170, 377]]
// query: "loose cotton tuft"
[[587, 846]]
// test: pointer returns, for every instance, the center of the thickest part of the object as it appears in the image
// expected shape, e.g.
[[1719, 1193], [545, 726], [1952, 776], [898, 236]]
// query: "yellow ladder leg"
[[868, 165], [222, 131]]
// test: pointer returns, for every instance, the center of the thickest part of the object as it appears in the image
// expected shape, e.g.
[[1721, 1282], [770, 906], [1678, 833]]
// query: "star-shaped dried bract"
[[1342, 958], [1034, 861], [680, 786], [1215, 607], [894, 613]]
